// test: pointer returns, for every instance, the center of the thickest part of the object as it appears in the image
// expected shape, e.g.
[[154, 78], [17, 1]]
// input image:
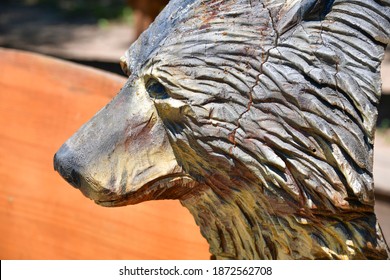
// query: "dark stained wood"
[[42, 102]]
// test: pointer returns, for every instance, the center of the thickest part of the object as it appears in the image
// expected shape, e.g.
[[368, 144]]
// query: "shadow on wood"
[[42, 102]]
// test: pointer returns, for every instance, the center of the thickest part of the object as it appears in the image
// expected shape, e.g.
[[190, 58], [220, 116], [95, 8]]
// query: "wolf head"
[[258, 115]]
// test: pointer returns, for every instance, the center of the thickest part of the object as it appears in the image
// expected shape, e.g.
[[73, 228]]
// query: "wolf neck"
[[237, 229], [243, 226]]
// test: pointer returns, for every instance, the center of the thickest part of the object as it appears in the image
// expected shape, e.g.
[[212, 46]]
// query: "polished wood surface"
[[43, 101]]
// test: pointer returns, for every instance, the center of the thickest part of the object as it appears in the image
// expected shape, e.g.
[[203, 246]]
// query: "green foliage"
[[383, 129], [103, 10], [384, 124]]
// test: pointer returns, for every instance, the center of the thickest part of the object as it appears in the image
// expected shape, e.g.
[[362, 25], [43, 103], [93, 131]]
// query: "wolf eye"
[[156, 89]]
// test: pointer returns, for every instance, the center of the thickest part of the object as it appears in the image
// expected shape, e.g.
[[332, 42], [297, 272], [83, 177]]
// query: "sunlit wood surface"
[[42, 102]]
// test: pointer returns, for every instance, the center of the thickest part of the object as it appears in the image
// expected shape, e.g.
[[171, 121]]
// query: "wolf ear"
[[295, 11]]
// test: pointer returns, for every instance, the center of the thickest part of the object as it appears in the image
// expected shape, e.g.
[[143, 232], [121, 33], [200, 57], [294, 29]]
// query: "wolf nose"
[[64, 164]]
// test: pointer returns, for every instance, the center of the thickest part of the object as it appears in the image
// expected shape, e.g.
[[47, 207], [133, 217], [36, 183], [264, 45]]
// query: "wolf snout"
[[64, 163]]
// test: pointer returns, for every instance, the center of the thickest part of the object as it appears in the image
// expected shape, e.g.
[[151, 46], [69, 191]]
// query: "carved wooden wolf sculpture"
[[258, 115]]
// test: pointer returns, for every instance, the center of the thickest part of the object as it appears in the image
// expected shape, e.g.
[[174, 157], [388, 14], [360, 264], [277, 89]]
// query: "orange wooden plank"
[[43, 101]]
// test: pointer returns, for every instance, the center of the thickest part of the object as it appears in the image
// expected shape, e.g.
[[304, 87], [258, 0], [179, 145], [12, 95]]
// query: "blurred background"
[[58, 66], [90, 32]]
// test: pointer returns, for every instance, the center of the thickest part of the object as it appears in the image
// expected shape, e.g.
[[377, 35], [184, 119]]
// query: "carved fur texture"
[[267, 112]]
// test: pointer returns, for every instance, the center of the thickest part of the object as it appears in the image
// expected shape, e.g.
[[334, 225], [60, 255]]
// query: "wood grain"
[[43, 101]]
